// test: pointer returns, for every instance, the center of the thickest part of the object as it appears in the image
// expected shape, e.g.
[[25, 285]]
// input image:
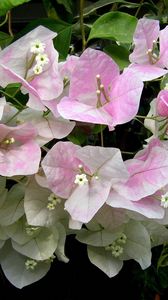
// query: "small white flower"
[[122, 239], [164, 200], [81, 179], [53, 201], [37, 47], [30, 264], [42, 59], [117, 250], [30, 230], [37, 69]]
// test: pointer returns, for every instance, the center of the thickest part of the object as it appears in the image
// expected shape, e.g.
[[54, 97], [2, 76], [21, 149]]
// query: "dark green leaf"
[[67, 4], [6, 5], [119, 54], [101, 3], [78, 136], [98, 128], [5, 39], [117, 26]]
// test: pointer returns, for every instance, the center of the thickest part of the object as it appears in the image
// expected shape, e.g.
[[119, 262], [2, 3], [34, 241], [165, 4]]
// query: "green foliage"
[[120, 55], [5, 39], [117, 26], [6, 5], [101, 3]]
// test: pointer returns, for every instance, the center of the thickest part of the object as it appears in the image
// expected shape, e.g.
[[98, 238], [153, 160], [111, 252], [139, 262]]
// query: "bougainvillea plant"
[[61, 170]]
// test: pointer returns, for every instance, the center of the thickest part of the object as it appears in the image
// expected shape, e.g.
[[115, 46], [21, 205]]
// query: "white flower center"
[[122, 239], [37, 47], [30, 264], [30, 230], [37, 69], [42, 59], [53, 200], [116, 248], [81, 179], [164, 200]]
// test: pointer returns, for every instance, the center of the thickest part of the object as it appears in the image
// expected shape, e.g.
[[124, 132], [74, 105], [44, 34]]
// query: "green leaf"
[[119, 54], [117, 26], [78, 136], [98, 128], [67, 4], [63, 30], [5, 39], [6, 5], [101, 3], [164, 82], [13, 207], [13, 266]]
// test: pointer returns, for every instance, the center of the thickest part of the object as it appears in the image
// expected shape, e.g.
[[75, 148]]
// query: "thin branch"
[[82, 24], [10, 24]]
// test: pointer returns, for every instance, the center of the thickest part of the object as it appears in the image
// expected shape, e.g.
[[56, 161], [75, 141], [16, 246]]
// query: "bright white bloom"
[[37, 47], [30, 264], [81, 179], [37, 69], [164, 200], [42, 59]]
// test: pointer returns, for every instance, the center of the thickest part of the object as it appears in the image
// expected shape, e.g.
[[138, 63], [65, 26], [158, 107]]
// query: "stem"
[[154, 118], [6, 19], [139, 121], [10, 96], [10, 24], [15, 115], [127, 152], [101, 136], [82, 24], [140, 4]]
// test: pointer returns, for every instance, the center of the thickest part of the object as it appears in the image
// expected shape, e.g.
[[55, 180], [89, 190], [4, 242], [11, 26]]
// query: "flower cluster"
[[51, 188]]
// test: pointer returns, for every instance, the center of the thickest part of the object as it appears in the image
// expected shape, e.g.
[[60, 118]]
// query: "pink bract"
[[149, 65], [118, 106], [148, 173], [162, 103], [21, 156], [102, 166], [13, 63]]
